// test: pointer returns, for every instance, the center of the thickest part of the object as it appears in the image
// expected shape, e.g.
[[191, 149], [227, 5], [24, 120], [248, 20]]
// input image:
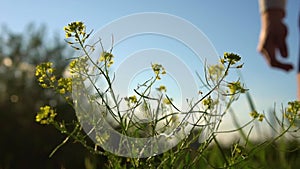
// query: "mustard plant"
[[219, 92]]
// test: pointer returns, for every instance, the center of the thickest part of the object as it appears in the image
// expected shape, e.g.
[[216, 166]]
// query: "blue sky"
[[231, 26]]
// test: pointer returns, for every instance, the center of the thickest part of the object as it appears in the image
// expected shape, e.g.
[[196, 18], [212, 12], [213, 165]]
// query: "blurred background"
[[23, 142]]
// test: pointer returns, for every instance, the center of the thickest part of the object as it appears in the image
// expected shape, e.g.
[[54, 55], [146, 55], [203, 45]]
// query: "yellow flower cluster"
[[236, 87], [75, 29], [231, 58], [158, 69], [132, 99], [79, 65], [64, 85], [216, 71], [261, 117], [208, 102], [107, 58], [46, 115], [255, 115], [46, 78], [44, 74], [167, 101], [162, 88], [292, 111]]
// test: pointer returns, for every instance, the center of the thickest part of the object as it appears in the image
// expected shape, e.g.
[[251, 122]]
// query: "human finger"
[[273, 62], [281, 42]]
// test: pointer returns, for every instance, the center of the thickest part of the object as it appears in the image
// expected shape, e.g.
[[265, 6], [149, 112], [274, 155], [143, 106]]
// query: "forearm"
[[272, 11]]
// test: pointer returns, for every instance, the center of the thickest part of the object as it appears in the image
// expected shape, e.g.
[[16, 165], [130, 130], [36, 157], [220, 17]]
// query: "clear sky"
[[231, 26]]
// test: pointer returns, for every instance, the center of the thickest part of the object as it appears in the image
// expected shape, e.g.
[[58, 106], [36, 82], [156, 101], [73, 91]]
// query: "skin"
[[273, 38]]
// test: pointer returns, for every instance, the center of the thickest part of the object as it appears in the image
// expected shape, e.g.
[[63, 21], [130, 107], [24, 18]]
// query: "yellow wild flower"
[[167, 101], [158, 69], [162, 88], [74, 29], [254, 114], [66, 84], [292, 111], [62, 91], [46, 115], [52, 78], [132, 99], [231, 58], [107, 58], [209, 103], [216, 71], [261, 117], [44, 73], [236, 87]]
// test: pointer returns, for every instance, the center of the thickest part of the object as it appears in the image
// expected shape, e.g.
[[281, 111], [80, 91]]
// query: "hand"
[[272, 37]]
